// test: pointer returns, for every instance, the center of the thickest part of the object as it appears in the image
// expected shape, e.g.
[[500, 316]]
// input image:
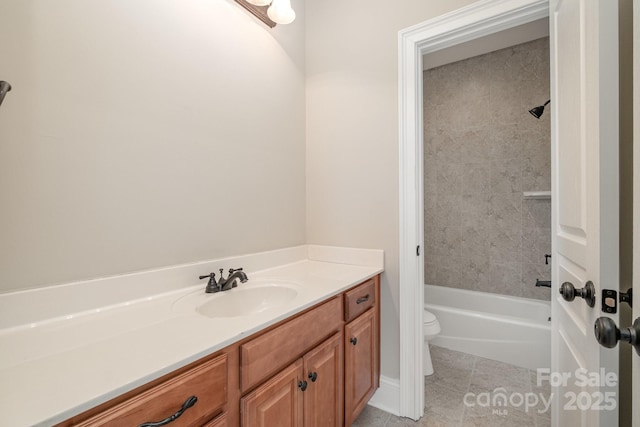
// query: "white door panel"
[[584, 106], [636, 208]]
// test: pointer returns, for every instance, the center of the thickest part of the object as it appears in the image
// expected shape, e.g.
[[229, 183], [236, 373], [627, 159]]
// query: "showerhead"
[[537, 111]]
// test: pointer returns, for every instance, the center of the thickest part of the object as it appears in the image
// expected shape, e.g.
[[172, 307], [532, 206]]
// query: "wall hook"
[[4, 88]]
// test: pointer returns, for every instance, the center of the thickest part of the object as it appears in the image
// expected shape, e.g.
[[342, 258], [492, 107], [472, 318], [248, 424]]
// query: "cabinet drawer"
[[208, 382], [219, 421], [359, 300], [262, 357]]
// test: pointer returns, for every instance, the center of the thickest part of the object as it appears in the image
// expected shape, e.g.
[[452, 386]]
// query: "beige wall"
[[146, 133], [352, 133]]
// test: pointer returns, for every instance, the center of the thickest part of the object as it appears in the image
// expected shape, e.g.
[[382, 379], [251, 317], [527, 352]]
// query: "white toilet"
[[430, 328]]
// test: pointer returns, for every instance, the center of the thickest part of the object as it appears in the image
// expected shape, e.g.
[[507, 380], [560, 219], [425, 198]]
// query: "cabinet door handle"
[[313, 376], [302, 385], [353, 341], [186, 405], [363, 299]]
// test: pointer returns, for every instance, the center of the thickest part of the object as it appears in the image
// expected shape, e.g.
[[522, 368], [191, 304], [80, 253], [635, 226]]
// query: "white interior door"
[[636, 201], [584, 106]]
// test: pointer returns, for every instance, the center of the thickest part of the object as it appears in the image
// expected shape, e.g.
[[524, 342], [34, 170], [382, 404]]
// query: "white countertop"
[[56, 367]]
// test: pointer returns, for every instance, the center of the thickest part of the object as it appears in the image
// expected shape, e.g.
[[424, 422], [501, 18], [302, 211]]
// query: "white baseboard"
[[387, 397]]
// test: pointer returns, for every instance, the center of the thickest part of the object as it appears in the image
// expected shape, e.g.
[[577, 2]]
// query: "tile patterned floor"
[[456, 375]]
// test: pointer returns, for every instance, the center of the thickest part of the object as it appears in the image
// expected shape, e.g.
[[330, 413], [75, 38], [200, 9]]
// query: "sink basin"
[[245, 300]]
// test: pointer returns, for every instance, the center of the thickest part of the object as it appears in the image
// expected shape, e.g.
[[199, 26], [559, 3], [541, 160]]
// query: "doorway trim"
[[479, 19]]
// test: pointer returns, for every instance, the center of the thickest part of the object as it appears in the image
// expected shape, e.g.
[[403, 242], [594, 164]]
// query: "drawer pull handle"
[[186, 405], [353, 341], [363, 299], [313, 376], [302, 385]]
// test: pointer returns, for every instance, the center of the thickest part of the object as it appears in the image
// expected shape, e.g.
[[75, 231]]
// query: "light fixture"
[[271, 12], [260, 2], [537, 111], [281, 12]]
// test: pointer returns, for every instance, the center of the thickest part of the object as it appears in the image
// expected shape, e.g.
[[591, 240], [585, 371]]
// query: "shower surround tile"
[[448, 242], [536, 243], [475, 273], [482, 150], [506, 176], [475, 210], [475, 243], [505, 245], [448, 271], [476, 178], [507, 142], [430, 204], [449, 176], [477, 145], [446, 146], [506, 210], [505, 102], [536, 214], [535, 173], [531, 272], [506, 278], [429, 169], [448, 210]]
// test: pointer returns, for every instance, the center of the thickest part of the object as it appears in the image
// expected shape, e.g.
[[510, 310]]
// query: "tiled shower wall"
[[482, 150]]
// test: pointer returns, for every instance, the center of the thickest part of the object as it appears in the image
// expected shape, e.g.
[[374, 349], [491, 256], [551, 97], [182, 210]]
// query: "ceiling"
[[500, 40]]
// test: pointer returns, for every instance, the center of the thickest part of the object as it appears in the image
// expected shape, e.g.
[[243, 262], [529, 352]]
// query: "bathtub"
[[508, 329]]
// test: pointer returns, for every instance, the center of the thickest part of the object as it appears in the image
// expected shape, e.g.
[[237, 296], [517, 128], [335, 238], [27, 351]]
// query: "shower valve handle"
[[588, 293]]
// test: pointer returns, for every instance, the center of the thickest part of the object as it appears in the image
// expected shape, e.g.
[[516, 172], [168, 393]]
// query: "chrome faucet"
[[224, 284]]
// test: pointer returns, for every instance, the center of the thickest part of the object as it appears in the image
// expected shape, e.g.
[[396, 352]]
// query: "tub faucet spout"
[[543, 283]]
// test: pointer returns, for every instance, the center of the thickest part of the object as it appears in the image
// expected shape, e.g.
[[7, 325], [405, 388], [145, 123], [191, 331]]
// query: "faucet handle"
[[212, 286], [231, 270], [208, 276]]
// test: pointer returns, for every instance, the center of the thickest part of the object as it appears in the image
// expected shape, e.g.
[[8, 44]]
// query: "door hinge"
[[418, 250]]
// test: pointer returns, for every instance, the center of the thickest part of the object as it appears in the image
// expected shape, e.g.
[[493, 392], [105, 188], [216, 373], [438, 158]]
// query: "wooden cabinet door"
[[219, 421], [278, 402], [360, 364], [323, 370]]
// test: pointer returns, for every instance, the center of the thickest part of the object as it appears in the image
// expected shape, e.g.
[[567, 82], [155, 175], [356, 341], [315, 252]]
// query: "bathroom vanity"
[[311, 359], [317, 368]]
